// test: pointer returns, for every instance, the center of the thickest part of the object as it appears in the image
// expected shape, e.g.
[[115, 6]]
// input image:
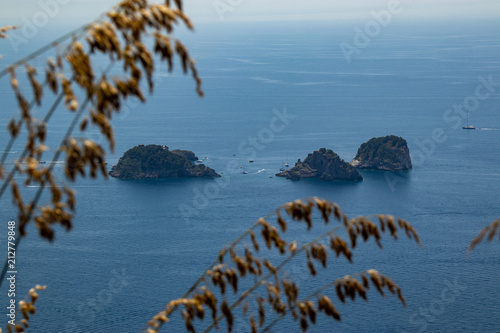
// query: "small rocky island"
[[155, 161], [385, 153], [322, 164]]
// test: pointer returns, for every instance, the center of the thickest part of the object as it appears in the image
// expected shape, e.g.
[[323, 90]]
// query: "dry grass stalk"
[[489, 232], [26, 307], [120, 36], [281, 295], [3, 30]]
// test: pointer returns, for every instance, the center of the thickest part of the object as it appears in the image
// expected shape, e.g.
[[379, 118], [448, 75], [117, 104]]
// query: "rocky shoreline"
[[155, 161], [388, 153], [322, 164]]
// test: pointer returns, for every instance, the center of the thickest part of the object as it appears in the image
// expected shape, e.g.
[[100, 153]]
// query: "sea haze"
[[138, 236]]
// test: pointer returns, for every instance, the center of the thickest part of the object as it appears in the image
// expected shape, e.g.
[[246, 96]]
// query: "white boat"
[[245, 173], [468, 127]]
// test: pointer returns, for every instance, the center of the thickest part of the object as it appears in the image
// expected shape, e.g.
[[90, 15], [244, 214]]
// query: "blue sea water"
[[137, 244]]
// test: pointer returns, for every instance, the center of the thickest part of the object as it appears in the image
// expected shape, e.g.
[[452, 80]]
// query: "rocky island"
[[322, 164], [385, 153], [155, 161]]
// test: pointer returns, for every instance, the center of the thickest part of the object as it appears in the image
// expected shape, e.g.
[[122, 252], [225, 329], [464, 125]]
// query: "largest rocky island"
[[155, 161]]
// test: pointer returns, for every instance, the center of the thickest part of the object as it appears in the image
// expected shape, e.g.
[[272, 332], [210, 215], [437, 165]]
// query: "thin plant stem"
[[13, 138], [70, 129], [25, 152], [202, 276], [315, 293], [239, 239], [48, 46], [264, 279]]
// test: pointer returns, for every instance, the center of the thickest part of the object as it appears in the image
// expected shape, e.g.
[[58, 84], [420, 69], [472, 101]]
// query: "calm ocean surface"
[[402, 83]]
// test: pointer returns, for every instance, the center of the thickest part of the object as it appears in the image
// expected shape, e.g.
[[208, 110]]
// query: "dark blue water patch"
[[402, 84]]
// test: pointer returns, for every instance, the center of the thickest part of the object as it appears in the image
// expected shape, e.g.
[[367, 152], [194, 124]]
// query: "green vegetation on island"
[[155, 161], [385, 153]]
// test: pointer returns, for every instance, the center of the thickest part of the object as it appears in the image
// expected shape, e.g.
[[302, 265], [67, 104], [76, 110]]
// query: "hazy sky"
[[13, 12]]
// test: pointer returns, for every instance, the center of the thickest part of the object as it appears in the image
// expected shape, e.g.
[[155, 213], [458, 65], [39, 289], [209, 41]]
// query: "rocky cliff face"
[[324, 165], [154, 161], [385, 153]]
